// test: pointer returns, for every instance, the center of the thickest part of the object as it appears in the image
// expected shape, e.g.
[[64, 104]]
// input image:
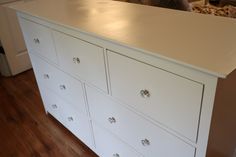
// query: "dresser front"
[[119, 101]]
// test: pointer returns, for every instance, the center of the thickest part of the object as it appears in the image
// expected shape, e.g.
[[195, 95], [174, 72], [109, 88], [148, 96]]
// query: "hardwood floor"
[[25, 129]]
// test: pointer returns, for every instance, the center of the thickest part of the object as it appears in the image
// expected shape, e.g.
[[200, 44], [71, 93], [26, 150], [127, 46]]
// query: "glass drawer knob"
[[76, 60], [46, 76], [70, 119], [112, 120], [62, 87], [116, 155], [145, 142], [36, 41], [54, 106], [145, 93]]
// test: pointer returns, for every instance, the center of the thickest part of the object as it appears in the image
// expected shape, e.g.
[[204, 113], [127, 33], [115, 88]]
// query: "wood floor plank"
[[26, 130]]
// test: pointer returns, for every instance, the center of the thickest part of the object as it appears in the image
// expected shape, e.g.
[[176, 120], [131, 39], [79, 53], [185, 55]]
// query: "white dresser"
[[121, 99]]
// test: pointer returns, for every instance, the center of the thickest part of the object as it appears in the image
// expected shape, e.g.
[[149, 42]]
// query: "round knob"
[[36, 41], [46, 76], [54, 106], [76, 60], [62, 87], [145, 142], [70, 119], [112, 120], [116, 155], [145, 93]]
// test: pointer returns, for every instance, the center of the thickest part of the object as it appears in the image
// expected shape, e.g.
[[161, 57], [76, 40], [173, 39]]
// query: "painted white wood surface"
[[109, 146], [52, 103], [39, 40], [12, 40], [182, 37], [133, 129], [67, 87], [208, 81], [90, 65], [174, 101], [78, 124]]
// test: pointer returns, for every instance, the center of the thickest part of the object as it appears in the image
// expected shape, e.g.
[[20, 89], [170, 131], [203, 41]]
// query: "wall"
[[222, 139]]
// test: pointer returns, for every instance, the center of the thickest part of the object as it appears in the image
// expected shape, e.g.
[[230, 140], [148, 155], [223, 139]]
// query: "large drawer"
[[38, 39], [171, 100], [64, 112], [145, 137], [67, 87], [81, 59], [108, 145]]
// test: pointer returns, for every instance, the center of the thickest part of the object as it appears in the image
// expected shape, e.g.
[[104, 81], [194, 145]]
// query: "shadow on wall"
[[222, 139]]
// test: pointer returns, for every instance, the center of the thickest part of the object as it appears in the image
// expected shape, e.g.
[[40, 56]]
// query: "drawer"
[[64, 112], [81, 59], [171, 100], [52, 104], [145, 137], [108, 145], [38, 39], [67, 87], [79, 125]]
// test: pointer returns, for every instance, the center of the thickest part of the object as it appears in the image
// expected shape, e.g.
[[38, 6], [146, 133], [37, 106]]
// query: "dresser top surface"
[[203, 42]]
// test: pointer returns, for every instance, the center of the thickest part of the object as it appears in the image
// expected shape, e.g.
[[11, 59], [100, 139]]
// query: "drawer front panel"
[[108, 145], [65, 113], [148, 139], [52, 104], [81, 59], [79, 125], [38, 39], [64, 85], [169, 99]]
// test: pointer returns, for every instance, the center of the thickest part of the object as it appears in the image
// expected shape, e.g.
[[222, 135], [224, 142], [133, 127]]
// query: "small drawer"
[[67, 87], [145, 137], [52, 104], [79, 125], [169, 99], [64, 112], [81, 59], [107, 145], [38, 39]]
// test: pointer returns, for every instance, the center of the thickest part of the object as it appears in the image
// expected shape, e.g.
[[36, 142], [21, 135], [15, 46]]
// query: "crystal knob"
[[145, 93], [62, 87], [116, 155], [70, 119], [112, 120], [145, 142], [36, 41], [54, 106], [76, 60], [46, 76]]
